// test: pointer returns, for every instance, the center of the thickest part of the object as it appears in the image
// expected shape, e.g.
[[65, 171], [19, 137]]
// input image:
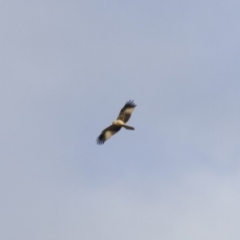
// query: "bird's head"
[[118, 122]]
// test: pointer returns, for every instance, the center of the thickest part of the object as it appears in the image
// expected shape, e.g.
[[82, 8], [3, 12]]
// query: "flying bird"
[[120, 122]]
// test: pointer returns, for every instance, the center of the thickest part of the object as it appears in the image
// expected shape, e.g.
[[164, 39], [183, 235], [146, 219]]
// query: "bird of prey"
[[120, 122]]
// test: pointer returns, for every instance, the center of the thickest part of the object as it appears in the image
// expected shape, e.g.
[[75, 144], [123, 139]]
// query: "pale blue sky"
[[67, 68]]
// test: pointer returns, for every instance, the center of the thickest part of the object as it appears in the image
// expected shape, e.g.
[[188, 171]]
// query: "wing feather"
[[126, 111], [107, 133]]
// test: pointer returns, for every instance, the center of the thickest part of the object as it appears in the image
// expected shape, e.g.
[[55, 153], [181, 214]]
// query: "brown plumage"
[[120, 122]]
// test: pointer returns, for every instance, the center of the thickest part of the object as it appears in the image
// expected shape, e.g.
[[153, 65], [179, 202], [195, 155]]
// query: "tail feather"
[[128, 127]]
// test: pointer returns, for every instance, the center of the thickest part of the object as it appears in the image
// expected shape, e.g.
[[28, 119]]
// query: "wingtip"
[[131, 102], [99, 141]]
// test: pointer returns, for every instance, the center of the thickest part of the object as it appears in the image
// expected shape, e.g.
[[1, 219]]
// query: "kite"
[[120, 122]]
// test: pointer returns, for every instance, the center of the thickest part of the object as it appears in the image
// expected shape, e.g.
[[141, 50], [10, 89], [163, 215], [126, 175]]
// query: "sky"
[[66, 70]]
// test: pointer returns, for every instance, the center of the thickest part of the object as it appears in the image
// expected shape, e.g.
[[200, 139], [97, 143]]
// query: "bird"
[[117, 124]]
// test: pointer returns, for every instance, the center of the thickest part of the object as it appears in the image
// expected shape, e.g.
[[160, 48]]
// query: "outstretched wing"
[[107, 133], [126, 111]]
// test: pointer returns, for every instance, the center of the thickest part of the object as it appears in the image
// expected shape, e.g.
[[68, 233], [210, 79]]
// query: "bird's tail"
[[128, 127]]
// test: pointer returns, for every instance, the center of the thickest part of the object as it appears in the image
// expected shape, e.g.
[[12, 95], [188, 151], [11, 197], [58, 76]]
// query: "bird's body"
[[120, 122]]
